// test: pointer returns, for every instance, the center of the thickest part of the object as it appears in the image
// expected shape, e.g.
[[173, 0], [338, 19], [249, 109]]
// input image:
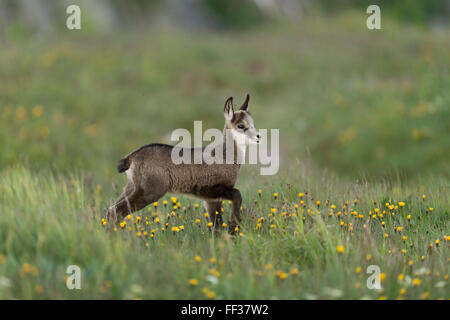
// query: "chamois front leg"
[[214, 212], [223, 192], [235, 217]]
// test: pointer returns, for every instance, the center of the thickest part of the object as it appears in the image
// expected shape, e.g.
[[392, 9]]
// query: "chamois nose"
[[258, 136]]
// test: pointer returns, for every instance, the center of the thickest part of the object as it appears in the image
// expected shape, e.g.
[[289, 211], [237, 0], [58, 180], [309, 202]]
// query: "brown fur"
[[151, 174]]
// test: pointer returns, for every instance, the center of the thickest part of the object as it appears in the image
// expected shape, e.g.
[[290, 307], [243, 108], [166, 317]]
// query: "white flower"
[[332, 292], [5, 282], [212, 279]]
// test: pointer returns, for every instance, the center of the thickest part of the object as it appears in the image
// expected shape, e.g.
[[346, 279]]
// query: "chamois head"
[[240, 122]]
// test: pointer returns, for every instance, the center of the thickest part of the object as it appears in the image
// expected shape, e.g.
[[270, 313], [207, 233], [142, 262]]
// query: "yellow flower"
[[275, 195], [20, 113], [224, 225], [416, 282], [340, 249], [368, 257], [43, 132], [210, 224], [318, 202], [198, 259], [273, 210], [294, 271], [259, 191], [282, 275], [39, 289], [181, 227], [300, 195], [193, 282], [424, 196], [382, 277], [214, 272], [358, 270], [385, 235], [382, 298], [26, 267], [210, 295], [424, 295], [212, 260], [402, 291], [268, 266], [197, 220], [37, 111], [400, 277], [401, 204], [155, 204]]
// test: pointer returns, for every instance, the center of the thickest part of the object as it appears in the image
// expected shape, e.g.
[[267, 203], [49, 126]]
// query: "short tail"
[[124, 165]]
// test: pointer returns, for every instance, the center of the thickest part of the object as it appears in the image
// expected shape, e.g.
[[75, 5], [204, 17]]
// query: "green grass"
[[51, 222], [362, 115]]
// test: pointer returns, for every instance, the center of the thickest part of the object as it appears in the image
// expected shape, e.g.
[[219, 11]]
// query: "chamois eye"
[[241, 126]]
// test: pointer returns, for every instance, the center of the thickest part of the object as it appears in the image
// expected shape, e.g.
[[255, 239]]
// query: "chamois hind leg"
[[214, 212], [111, 211], [134, 202]]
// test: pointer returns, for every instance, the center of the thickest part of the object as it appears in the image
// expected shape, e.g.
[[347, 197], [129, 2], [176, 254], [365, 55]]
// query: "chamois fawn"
[[152, 173]]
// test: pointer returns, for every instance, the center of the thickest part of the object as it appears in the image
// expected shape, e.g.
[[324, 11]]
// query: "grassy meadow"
[[364, 173]]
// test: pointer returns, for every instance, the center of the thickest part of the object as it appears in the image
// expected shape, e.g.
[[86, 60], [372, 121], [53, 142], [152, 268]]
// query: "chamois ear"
[[228, 109], [245, 104]]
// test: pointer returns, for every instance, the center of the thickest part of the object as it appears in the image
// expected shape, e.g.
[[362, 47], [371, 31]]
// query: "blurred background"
[[348, 100]]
